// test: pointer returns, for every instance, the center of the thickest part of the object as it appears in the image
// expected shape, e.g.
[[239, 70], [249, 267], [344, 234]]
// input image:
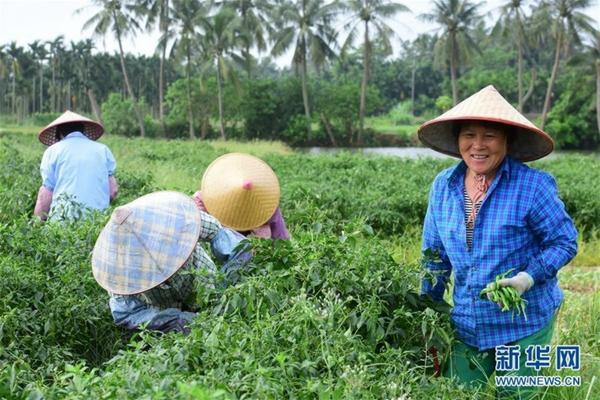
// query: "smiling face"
[[482, 146]]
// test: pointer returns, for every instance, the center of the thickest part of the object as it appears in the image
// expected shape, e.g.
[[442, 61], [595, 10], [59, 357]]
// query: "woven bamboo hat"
[[145, 242], [92, 129], [528, 143], [240, 190]]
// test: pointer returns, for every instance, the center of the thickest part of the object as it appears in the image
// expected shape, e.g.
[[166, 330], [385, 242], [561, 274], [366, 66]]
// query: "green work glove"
[[522, 282]]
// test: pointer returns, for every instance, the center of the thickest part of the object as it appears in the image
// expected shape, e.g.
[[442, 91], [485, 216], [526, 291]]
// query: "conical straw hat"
[[528, 143], [240, 190], [92, 129], [145, 242]]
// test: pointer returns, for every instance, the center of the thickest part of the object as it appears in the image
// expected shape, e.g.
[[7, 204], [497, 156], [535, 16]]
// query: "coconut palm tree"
[[39, 52], [307, 26], [221, 37], [590, 57], [255, 26], [56, 50], [366, 15], [159, 12], [118, 16], [185, 15], [14, 54], [596, 53], [511, 25], [457, 19], [419, 52], [568, 23]]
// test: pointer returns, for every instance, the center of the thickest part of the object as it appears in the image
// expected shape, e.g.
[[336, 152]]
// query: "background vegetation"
[[213, 73]]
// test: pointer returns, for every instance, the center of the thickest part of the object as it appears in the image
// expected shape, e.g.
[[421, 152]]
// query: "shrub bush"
[[118, 116]]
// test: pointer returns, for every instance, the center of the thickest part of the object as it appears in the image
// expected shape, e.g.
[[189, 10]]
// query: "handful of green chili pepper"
[[506, 296]]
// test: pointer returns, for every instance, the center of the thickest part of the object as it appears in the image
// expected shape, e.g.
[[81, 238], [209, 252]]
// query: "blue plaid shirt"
[[522, 224]]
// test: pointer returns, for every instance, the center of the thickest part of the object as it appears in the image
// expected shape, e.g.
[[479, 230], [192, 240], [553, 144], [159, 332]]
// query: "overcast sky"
[[24, 21]]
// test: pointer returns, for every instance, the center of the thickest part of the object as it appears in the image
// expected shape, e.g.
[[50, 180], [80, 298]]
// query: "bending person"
[[150, 259], [242, 192]]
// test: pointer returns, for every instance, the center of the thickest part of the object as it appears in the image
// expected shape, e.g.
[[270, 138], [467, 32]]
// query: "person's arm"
[[438, 266], [232, 249], [111, 166], [113, 187], [44, 198], [553, 228], [43, 202], [131, 312], [263, 231], [197, 197], [277, 225]]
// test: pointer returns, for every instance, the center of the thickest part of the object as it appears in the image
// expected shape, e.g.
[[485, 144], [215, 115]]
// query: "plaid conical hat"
[[145, 242], [529, 143], [240, 190], [92, 129]]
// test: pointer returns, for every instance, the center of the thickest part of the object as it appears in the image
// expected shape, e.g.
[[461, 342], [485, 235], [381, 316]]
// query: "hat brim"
[[527, 144], [92, 130], [146, 242], [224, 198]]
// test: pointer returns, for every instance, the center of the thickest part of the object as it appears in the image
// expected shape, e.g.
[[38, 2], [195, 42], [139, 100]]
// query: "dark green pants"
[[472, 367]]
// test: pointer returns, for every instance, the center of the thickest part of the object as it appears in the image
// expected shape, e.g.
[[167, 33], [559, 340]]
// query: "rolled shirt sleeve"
[[440, 267], [111, 163], [48, 170], [553, 228]]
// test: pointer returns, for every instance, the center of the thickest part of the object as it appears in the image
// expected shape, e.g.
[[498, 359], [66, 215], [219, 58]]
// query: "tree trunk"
[[519, 62], [531, 86], [161, 77], [189, 91], [53, 96], [204, 128], [14, 92], [598, 94], [327, 125], [363, 87], [453, 72], [552, 79], [520, 75], [412, 88], [220, 97], [161, 110], [303, 76], [95, 109], [42, 88], [69, 105], [248, 58], [127, 84], [33, 95]]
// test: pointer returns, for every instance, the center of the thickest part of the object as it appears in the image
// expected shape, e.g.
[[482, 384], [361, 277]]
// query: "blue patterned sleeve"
[[439, 269], [232, 249], [554, 230]]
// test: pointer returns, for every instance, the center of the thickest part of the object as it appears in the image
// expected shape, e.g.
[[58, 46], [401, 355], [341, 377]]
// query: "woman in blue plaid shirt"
[[487, 215]]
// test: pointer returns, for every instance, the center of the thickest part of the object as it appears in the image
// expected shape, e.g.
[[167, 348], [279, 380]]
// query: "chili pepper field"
[[332, 314]]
